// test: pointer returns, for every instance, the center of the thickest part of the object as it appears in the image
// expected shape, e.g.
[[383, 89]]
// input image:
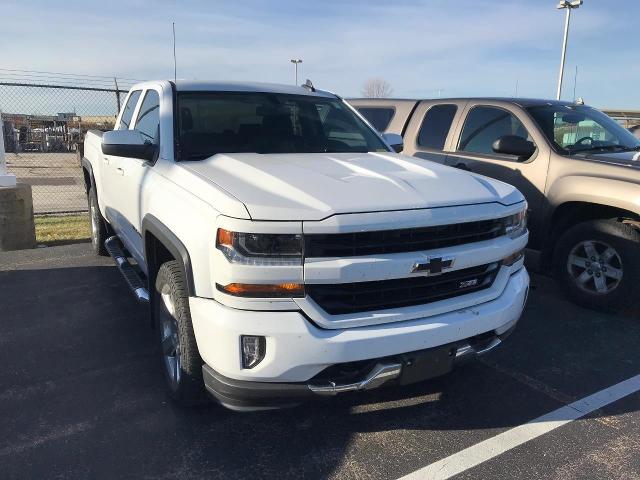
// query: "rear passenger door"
[[111, 171], [471, 149], [133, 172], [430, 131]]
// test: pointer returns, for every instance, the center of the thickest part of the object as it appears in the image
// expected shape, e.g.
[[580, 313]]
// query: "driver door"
[[485, 122]]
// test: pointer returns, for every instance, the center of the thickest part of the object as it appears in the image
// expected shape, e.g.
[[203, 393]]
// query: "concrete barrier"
[[17, 230]]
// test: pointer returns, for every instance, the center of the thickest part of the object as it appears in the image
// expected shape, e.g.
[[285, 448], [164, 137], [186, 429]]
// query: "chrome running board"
[[379, 375], [136, 284]]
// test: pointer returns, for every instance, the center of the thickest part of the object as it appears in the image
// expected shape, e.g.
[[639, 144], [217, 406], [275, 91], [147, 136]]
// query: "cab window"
[[484, 125], [148, 122], [129, 108]]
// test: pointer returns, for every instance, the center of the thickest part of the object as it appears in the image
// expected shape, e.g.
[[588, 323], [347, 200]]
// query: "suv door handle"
[[105, 160], [462, 166], [119, 171]]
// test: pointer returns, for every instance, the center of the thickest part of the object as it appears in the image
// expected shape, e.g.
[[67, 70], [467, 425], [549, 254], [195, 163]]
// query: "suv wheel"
[[598, 263], [99, 232], [180, 357]]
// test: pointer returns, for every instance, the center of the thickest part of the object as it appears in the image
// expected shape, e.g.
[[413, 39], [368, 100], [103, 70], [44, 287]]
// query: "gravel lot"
[[82, 395]]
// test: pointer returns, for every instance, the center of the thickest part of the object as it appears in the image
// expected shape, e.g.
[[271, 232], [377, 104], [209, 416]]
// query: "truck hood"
[[314, 186], [629, 159]]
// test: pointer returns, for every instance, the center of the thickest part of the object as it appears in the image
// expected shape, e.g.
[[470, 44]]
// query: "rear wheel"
[[98, 225], [598, 263], [180, 357]]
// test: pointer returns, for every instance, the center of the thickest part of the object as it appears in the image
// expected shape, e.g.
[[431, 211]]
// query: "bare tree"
[[376, 88]]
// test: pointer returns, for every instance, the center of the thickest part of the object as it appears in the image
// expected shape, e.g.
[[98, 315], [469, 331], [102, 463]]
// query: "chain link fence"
[[43, 127]]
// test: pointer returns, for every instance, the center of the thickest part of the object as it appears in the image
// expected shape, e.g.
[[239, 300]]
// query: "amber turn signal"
[[224, 237], [254, 290]]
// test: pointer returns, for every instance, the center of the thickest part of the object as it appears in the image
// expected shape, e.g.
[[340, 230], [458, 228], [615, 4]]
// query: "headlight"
[[516, 225], [260, 248]]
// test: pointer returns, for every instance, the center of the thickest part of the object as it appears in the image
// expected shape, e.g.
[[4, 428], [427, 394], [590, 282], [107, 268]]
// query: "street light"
[[568, 6], [296, 61]]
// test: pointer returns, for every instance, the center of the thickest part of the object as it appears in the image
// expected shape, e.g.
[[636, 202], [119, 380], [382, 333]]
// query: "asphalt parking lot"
[[82, 395]]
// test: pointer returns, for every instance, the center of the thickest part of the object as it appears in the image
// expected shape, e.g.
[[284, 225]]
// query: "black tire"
[[620, 273], [99, 230], [184, 377]]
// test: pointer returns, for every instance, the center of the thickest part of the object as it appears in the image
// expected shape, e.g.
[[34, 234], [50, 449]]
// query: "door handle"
[[105, 160], [463, 166], [119, 171]]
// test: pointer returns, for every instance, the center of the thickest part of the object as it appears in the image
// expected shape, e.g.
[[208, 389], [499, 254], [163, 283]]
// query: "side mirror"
[[394, 140], [514, 145], [128, 143]]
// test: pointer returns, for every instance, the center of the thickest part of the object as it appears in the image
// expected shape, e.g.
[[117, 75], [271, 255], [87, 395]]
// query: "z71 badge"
[[468, 283]]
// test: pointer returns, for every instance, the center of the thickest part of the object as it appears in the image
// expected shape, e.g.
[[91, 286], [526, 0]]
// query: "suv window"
[[148, 122], [125, 120], [435, 126], [484, 125], [379, 117]]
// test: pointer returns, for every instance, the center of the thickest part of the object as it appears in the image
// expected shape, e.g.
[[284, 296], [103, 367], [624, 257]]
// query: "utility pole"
[[296, 61], [568, 6]]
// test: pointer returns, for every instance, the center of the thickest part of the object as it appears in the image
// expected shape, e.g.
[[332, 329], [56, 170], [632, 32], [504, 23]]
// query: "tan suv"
[[577, 167]]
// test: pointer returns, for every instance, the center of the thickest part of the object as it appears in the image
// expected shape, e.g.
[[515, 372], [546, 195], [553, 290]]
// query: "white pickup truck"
[[286, 251]]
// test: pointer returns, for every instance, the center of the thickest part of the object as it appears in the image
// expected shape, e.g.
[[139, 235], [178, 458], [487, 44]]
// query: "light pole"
[[568, 6], [296, 61]]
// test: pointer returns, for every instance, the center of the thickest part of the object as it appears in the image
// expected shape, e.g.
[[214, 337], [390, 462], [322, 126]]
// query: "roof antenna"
[[175, 68], [309, 85]]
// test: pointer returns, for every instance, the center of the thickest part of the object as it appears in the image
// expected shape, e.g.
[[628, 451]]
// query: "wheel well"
[[156, 255], [87, 179], [569, 214]]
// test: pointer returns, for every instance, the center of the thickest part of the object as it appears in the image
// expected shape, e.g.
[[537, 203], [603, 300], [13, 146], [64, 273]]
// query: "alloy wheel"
[[595, 267], [170, 337]]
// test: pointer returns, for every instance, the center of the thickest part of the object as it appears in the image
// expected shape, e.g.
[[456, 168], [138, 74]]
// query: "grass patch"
[[62, 228]]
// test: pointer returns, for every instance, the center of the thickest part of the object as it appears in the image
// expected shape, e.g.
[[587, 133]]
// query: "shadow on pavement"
[[82, 393]]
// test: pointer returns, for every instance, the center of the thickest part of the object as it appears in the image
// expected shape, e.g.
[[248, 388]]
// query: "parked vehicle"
[[577, 168], [288, 252]]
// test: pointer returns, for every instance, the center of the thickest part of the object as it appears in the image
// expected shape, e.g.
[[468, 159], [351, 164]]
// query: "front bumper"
[[297, 351], [402, 369]]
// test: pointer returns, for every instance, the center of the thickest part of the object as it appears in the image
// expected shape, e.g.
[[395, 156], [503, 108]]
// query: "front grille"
[[341, 298], [401, 240]]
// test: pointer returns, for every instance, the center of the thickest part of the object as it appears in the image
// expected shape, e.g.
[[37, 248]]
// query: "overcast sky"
[[464, 47]]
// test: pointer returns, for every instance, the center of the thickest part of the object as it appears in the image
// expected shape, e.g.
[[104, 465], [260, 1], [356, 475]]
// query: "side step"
[[116, 250]]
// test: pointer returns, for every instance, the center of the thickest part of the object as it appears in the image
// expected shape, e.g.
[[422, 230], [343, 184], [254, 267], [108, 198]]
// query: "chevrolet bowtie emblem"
[[433, 266]]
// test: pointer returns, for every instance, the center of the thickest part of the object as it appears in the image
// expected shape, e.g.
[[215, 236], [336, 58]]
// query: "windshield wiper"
[[607, 148]]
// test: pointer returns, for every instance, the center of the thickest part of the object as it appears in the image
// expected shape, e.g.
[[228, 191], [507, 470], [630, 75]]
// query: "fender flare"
[[172, 243], [86, 165]]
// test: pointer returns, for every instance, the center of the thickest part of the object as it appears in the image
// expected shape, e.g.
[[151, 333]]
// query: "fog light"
[[253, 350]]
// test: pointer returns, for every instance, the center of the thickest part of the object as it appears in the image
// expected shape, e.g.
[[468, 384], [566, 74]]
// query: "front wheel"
[[598, 263], [180, 357]]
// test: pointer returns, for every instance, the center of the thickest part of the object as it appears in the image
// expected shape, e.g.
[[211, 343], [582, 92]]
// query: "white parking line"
[[494, 446]]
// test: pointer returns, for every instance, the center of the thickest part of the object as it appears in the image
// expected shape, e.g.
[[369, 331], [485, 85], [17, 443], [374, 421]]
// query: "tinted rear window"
[[379, 117], [435, 126]]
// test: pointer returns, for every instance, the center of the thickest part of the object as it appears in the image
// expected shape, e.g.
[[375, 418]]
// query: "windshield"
[[248, 122], [577, 128]]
